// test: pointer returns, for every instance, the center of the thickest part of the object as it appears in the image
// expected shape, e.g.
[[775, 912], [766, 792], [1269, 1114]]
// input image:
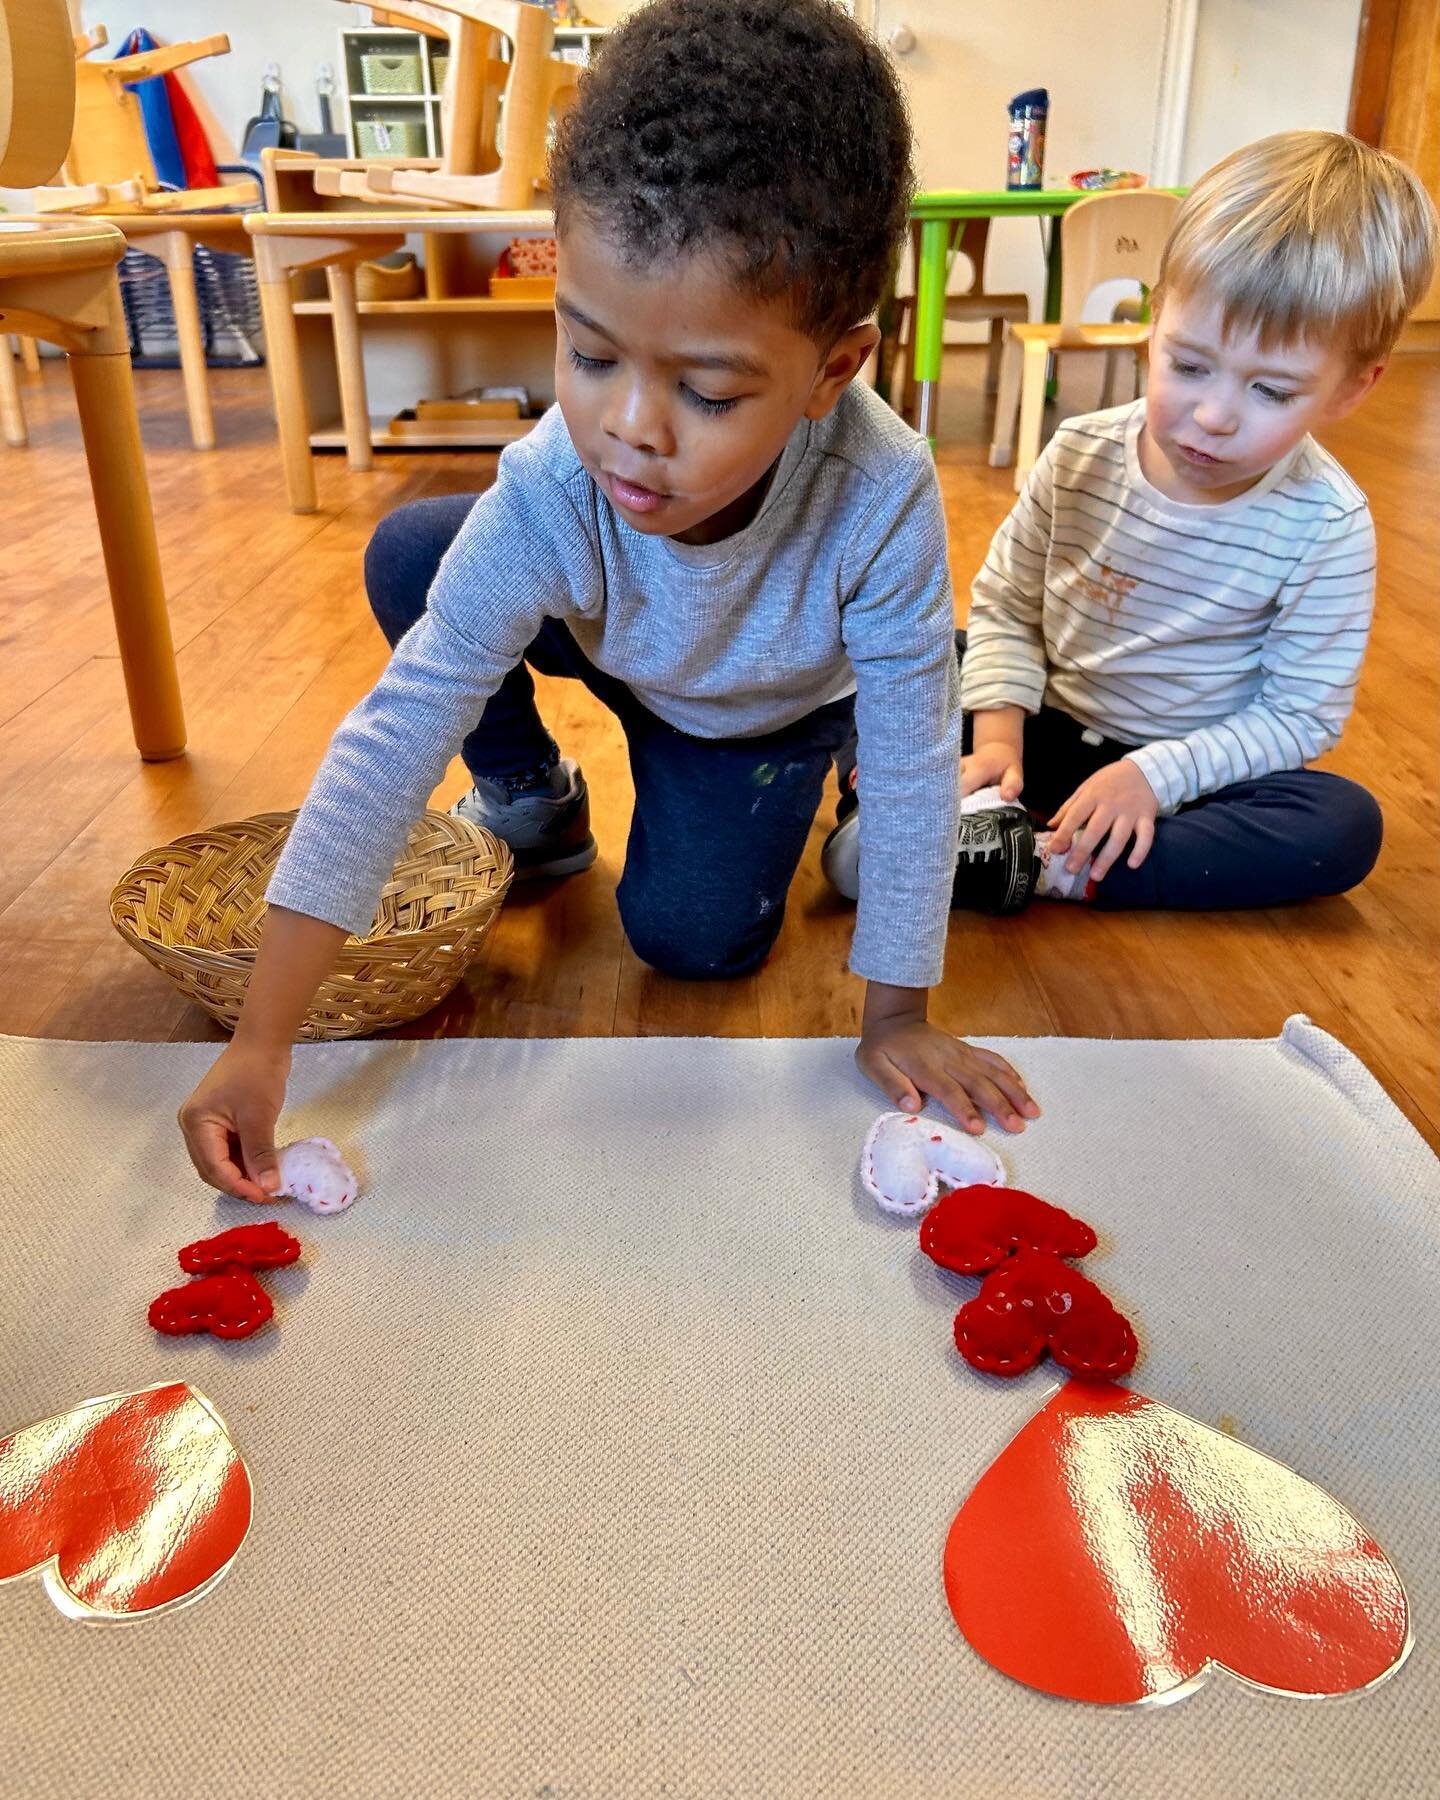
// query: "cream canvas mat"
[[608, 1445]]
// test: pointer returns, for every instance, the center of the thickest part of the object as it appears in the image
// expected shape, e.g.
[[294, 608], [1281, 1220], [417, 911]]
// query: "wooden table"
[[287, 244], [935, 211]]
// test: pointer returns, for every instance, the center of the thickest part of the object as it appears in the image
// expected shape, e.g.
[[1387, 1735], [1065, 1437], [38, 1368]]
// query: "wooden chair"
[[476, 169], [57, 282], [1106, 237], [973, 305], [109, 173]]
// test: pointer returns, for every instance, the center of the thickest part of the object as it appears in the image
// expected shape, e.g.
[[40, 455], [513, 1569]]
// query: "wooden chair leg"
[[993, 355], [30, 355], [1007, 404], [282, 350], [12, 410], [1032, 409], [350, 365], [178, 253], [1107, 385], [105, 397]]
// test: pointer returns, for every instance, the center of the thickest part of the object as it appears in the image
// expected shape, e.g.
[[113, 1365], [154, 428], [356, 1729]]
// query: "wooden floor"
[[276, 643]]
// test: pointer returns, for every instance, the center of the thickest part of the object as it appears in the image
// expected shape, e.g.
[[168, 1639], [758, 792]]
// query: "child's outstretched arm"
[[898, 625], [229, 1121]]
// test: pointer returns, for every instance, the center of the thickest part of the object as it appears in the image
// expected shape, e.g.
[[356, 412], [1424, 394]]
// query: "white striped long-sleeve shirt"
[[1223, 641]]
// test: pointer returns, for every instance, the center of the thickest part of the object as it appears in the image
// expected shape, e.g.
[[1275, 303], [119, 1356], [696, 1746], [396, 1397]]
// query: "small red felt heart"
[[266, 1246], [1116, 1551], [231, 1305], [1034, 1302], [127, 1506], [972, 1229]]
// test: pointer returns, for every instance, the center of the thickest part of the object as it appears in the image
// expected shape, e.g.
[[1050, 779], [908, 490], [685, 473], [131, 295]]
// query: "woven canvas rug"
[[608, 1445]]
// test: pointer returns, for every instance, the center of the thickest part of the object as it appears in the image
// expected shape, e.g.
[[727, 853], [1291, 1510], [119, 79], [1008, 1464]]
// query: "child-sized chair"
[[1105, 237], [109, 173], [974, 305], [57, 282], [483, 166]]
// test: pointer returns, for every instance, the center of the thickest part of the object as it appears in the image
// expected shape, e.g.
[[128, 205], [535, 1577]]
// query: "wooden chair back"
[[1112, 237], [37, 89], [534, 84], [109, 146]]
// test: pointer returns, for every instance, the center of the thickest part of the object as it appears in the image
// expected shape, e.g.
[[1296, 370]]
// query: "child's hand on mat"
[[992, 765], [229, 1121], [1102, 815], [910, 1058]]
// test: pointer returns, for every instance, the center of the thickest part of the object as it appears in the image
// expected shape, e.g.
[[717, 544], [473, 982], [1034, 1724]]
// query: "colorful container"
[[1028, 115]]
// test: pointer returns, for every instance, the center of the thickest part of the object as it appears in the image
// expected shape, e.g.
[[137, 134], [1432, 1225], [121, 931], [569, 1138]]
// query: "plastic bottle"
[[1028, 114]]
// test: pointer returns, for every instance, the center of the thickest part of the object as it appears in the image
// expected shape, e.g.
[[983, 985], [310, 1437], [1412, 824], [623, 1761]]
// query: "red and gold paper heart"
[[1118, 1551], [125, 1507]]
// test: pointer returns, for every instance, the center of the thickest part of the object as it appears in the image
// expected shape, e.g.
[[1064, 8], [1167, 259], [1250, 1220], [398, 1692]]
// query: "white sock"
[[984, 800], [1055, 882]]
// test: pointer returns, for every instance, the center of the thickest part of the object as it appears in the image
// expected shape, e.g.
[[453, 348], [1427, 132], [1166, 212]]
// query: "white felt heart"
[[906, 1158], [313, 1172]]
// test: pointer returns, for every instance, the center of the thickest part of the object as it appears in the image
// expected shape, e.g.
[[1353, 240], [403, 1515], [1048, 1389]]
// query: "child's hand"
[[1114, 805], [909, 1058], [992, 765], [229, 1121]]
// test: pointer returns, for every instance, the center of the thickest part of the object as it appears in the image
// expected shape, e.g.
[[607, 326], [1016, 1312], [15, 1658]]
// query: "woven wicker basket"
[[388, 74], [194, 909]]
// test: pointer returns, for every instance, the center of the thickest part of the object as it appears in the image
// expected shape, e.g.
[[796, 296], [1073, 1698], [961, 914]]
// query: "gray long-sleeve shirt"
[[840, 583]]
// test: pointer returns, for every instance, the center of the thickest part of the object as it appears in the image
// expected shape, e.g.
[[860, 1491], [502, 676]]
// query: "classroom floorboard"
[[276, 642]]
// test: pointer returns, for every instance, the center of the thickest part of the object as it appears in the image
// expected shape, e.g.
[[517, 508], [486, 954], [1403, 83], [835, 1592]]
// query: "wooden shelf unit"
[[432, 347]]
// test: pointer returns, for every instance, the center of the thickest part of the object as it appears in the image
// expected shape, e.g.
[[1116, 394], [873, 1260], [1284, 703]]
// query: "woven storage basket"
[[194, 909], [390, 137], [391, 74]]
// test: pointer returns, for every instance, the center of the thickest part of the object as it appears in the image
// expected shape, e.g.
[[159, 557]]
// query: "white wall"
[[1263, 66]]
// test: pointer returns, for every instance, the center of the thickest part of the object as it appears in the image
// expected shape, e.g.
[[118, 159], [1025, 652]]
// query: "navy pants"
[[719, 825], [1258, 843]]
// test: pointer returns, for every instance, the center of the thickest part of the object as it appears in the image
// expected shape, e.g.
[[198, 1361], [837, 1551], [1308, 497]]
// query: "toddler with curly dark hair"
[[735, 546]]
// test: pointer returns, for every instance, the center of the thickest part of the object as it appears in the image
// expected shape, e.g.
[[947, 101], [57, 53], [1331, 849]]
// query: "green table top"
[[976, 203]]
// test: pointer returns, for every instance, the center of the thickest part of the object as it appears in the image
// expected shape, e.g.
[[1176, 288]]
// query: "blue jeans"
[[719, 825], [1268, 842]]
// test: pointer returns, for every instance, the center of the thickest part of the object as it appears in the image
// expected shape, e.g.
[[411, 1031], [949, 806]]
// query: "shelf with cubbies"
[[395, 81]]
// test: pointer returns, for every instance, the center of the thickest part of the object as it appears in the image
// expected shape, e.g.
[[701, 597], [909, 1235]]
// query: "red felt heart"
[[972, 1229], [127, 1506], [231, 1305], [1034, 1302], [266, 1246], [1117, 1551]]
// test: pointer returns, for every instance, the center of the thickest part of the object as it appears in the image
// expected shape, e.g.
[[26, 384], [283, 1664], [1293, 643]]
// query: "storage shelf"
[[460, 303], [488, 434]]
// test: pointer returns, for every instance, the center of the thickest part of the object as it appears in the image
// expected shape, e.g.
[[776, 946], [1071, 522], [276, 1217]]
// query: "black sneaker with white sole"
[[996, 862], [547, 826]]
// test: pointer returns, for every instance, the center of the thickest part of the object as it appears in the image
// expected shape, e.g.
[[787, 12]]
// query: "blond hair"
[[1307, 234]]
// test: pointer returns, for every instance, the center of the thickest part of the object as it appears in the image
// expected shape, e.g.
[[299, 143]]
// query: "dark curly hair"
[[771, 131]]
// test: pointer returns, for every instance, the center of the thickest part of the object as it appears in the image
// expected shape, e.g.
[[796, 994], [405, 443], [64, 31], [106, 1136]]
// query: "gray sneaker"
[[547, 828]]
